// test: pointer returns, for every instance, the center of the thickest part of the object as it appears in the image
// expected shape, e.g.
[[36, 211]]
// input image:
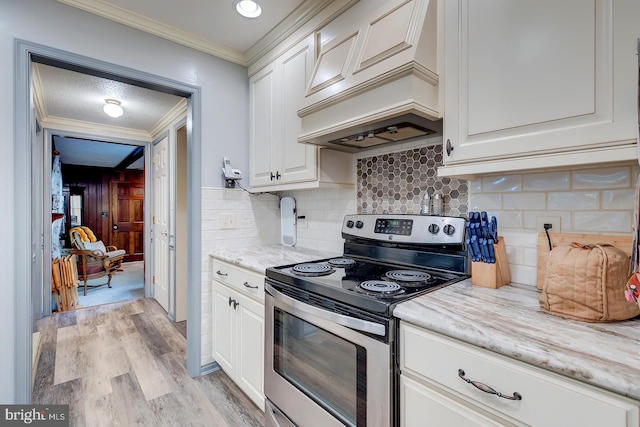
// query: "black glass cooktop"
[[340, 279]]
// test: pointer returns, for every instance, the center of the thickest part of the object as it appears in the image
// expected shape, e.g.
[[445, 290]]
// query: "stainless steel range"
[[330, 333]]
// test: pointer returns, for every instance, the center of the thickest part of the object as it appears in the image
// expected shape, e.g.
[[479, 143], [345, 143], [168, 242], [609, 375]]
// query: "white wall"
[[224, 90]]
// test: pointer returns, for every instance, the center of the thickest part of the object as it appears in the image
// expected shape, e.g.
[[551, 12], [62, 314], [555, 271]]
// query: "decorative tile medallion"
[[395, 183]]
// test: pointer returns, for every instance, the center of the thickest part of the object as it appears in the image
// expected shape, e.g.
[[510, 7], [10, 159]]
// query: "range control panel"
[[418, 229]]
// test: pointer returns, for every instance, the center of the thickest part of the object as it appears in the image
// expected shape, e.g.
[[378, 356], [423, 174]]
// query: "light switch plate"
[[228, 220]]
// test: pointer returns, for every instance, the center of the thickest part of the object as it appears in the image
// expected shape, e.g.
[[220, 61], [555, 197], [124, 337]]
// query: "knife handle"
[[492, 252], [476, 248]]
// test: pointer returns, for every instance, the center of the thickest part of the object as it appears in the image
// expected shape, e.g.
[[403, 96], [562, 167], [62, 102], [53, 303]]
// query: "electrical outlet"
[[553, 220], [228, 220]]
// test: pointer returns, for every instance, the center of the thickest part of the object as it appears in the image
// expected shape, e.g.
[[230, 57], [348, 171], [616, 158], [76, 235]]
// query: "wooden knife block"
[[492, 275]]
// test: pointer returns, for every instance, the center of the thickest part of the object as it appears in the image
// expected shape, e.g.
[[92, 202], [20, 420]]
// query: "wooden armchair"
[[82, 238], [93, 265]]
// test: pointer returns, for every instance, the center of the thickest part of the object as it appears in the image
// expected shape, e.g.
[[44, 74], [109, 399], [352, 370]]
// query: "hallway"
[[122, 364]]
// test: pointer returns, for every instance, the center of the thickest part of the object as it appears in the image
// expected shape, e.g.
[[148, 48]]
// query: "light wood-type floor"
[[123, 364]]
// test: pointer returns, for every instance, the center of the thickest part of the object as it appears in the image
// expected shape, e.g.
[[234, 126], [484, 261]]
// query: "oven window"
[[327, 368]]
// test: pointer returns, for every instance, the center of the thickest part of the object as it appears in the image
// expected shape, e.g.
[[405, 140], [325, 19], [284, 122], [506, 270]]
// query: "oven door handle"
[[349, 322]]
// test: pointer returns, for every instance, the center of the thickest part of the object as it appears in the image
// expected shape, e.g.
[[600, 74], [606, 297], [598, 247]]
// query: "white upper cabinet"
[[539, 84], [277, 160]]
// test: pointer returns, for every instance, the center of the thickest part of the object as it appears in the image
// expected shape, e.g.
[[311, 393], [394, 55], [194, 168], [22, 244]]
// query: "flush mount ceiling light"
[[112, 108], [247, 8]]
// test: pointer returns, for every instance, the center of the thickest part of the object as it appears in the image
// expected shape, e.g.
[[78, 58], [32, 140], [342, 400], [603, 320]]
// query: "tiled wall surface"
[[589, 201], [256, 224], [324, 211], [396, 183]]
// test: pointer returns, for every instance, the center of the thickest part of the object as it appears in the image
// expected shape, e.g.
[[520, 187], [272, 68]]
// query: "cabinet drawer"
[[242, 280], [547, 398]]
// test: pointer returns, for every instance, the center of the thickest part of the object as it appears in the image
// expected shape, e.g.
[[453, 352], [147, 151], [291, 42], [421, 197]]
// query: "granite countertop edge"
[[508, 321], [259, 258]]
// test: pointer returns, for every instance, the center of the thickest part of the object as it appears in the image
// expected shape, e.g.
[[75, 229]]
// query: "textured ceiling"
[[71, 95], [77, 96]]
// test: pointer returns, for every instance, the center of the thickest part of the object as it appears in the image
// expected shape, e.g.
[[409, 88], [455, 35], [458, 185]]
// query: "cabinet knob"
[[278, 175], [230, 301], [272, 175], [449, 147], [235, 304]]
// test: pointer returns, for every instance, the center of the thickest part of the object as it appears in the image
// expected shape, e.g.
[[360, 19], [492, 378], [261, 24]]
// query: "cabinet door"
[[537, 79], [223, 330], [250, 348], [298, 161], [263, 126]]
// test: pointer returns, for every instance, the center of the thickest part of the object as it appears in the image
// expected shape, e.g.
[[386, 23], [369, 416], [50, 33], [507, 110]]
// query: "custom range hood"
[[375, 83]]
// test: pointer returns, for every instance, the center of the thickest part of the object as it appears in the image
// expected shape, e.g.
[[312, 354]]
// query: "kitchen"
[[581, 195]]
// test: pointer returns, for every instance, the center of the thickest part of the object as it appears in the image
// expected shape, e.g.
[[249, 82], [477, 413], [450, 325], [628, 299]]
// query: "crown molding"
[[308, 18], [177, 113], [301, 15], [97, 129], [151, 26], [37, 91]]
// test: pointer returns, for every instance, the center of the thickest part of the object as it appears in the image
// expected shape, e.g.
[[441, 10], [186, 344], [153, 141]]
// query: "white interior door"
[[161, 222]]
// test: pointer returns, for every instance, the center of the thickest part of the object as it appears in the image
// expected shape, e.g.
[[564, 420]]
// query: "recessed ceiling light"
[[247, 8], [112, 108]]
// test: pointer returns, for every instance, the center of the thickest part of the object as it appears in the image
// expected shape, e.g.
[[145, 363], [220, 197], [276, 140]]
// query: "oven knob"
[[449, 229], [359, 224], [349, 224], [434, 228]]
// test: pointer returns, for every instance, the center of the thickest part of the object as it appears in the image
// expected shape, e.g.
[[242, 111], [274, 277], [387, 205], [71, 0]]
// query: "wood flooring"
[[123, 364]]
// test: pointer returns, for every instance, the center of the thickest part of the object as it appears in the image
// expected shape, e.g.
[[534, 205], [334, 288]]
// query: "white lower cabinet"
[[433, 390], [238, 328]]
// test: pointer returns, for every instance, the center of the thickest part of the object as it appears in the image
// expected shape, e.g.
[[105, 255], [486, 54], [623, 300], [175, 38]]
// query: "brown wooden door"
[[127, 214]]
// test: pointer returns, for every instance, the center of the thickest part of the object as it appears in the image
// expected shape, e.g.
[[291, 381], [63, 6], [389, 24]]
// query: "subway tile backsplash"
[[589, 201], [594, 200]]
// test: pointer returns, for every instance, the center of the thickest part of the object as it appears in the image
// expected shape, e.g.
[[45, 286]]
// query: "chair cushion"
[[116, 253], [92, 237], [93, 246]]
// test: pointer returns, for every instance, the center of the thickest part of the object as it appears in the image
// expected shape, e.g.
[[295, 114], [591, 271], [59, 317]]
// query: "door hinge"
[[153, 280], [154, 220]]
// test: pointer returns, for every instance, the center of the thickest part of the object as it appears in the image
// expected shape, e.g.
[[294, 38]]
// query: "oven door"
[[320, 370]]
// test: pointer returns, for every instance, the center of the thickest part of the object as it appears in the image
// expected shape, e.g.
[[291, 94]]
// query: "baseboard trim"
[[209, 368]]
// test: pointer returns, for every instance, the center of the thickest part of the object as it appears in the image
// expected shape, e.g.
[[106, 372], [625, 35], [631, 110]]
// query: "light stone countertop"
[[258, 258], [509, 321]]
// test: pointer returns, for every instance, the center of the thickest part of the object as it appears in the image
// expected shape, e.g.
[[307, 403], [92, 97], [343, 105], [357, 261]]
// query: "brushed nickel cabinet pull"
[[247, 285], [487, 389]]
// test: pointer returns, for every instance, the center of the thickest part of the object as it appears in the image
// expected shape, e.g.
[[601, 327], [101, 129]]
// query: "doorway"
[[28, 250], [107, 196]]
